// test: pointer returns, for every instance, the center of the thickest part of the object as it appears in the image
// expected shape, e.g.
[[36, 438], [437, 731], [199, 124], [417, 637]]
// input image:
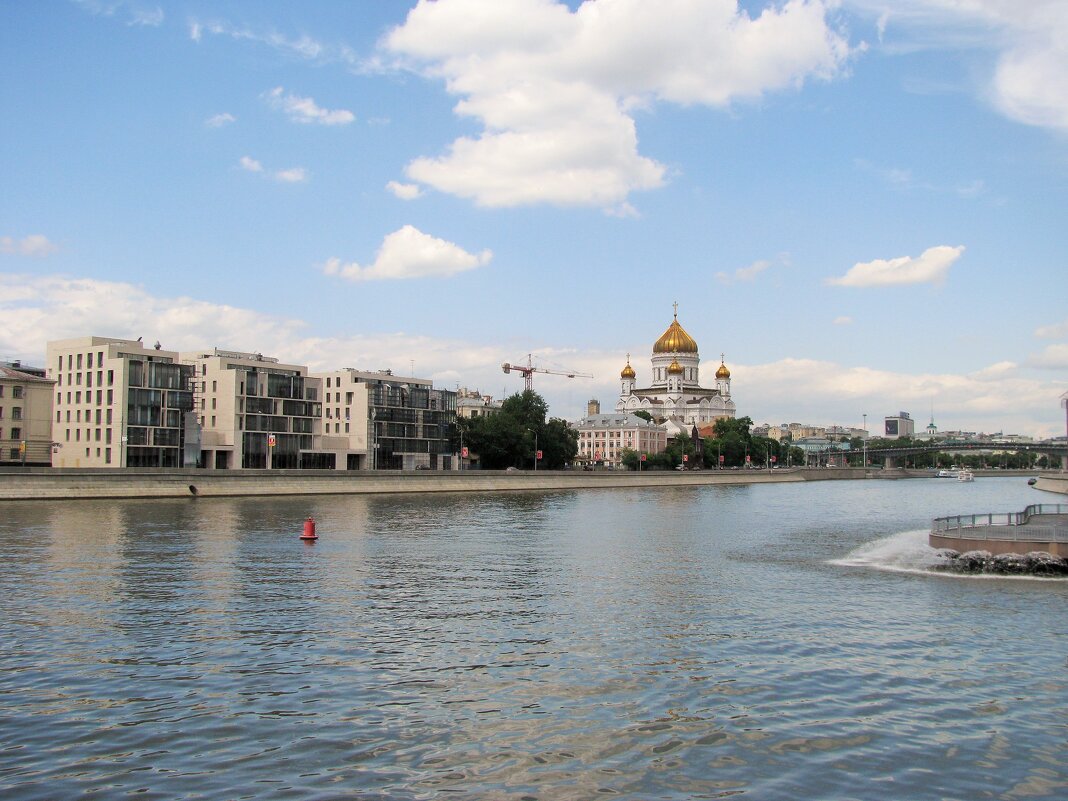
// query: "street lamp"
[[535, 433], [864, 441], [1064, 459]]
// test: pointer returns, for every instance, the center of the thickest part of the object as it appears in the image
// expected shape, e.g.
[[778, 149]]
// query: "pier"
[[1039, 527]]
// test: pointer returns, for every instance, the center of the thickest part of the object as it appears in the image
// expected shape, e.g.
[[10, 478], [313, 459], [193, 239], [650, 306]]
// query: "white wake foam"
[[905, 552]]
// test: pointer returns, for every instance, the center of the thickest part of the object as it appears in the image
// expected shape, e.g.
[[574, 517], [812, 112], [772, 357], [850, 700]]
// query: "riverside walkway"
[[1039, 527]]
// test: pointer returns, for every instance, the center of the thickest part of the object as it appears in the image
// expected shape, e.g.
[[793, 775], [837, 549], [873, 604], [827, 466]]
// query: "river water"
[[768, 641]]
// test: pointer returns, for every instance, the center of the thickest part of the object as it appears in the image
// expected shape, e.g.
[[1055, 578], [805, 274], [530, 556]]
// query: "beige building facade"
[[118, 404], [380, 421], [255, 412], [25, 418], [602, 438]]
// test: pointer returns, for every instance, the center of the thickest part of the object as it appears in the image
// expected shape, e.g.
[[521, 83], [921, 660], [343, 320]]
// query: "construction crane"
[[530, 369]]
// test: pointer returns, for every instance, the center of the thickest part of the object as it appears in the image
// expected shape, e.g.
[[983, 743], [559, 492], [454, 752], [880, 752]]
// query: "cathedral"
[[675, 394]]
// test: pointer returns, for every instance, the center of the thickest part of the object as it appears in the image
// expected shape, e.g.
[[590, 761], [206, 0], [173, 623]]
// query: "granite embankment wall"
[[55, 484]]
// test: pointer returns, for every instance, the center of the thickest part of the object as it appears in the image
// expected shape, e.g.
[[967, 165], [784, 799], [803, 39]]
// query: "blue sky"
[[861, 204]]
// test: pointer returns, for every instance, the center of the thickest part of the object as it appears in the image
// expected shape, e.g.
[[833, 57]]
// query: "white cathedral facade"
[[674, 393]]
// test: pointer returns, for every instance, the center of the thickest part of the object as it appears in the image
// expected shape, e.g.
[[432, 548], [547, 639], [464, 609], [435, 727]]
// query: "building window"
[[16, 392], [16, 433], [107, 455], [16, 412]]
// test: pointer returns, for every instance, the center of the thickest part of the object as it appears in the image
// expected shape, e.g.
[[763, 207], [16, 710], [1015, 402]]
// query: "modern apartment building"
[[25, 418], [255, 412], [379, 421], [119, 404]]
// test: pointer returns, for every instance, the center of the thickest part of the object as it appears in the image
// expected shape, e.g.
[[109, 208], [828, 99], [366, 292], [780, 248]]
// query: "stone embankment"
[[55, 484]]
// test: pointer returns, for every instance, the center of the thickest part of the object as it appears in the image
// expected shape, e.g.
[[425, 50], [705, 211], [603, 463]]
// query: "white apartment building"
[[378, 421], [119, 404], [25, 418], [602, 438], [255, 412]]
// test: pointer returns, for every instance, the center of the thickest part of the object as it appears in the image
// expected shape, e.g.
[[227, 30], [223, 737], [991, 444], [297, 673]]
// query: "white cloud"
[[747, 273], [305, 110], [293, 175], [1053, 357], [219, 120], [1054, 331], [303, 47], [929, 267], [404, 191], [1029, 42], [409, 253], [135, 13], [38, 308], [822, 392], [843, 320], [32, 245], [152, 17], [556, 95]]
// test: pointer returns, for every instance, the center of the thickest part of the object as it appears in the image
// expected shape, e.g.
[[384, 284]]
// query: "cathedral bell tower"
[[627, 376]]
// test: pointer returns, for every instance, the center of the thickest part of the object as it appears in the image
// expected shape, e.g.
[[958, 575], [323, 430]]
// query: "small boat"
[[965, 475], [948, 473], [1032, 481]]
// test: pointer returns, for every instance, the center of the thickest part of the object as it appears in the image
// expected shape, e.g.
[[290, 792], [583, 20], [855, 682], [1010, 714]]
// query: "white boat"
[[965, 475], [954, 473]]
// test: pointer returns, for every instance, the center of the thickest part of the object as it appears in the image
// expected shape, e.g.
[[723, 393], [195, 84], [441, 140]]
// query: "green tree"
[[510, 437], [644, 415], [731, 440]]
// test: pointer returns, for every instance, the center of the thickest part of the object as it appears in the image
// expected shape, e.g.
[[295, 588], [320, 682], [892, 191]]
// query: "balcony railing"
[[1006, 525]]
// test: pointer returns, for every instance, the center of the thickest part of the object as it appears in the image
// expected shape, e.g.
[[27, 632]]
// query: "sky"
[[861, 205]]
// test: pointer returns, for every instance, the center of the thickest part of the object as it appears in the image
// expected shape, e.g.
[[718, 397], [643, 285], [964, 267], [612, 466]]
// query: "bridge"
[[891, 455]]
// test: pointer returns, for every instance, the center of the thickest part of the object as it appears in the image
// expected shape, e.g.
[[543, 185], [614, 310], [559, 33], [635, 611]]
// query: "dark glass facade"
[[156, 402], [412, 422]]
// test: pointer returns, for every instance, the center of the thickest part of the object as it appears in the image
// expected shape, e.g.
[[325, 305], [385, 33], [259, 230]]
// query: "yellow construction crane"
[[529, 370]]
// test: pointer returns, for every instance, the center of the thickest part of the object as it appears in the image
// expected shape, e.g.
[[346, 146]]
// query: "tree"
[[644, 415], [510, 437], [731, 440]]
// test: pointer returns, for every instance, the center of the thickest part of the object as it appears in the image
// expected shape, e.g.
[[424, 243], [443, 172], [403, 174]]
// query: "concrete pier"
[[1041, 527]]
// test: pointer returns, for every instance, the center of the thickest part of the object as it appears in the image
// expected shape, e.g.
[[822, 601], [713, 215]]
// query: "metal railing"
[[1005, 525]]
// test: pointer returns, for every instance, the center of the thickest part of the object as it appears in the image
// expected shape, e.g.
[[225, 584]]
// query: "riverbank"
[[73, 484]]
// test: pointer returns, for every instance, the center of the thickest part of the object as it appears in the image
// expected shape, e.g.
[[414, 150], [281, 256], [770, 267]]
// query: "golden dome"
[[674, 368], [723, 372], [675, 340], [628, 371]]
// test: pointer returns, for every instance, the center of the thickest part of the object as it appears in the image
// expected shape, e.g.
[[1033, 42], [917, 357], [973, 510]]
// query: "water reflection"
[[677, 643]]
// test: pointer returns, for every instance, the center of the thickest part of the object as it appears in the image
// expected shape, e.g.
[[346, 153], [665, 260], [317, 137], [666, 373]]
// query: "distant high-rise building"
[[900, 425]]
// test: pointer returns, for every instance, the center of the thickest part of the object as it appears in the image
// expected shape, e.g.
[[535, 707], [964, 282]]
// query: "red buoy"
[[309, 530]]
